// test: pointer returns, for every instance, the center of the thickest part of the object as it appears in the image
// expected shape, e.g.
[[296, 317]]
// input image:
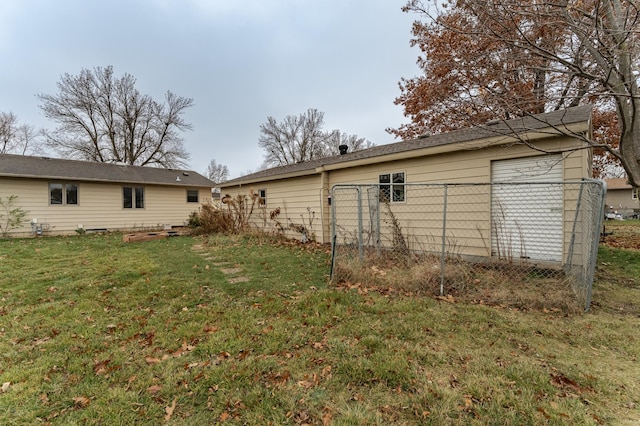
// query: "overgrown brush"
[[490, 283]]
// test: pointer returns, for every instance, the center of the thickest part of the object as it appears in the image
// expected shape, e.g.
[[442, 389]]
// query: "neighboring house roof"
[[617, 183], [23, 166], [554, 121]]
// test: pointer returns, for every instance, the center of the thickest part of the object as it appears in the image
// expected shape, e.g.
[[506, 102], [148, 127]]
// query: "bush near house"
[[11, 215]]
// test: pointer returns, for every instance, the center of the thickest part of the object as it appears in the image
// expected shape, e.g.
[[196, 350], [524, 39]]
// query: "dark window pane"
[[192, 196], [72, 193], [127, 197], [398, 193], [385, 190], [55, 193], [398, 190], [262, 201], [139, 198]]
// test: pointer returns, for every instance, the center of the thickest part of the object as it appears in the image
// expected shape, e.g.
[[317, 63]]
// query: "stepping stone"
[[236, 280]]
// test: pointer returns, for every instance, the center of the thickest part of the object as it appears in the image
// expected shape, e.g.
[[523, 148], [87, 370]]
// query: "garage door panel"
[[527, 218]]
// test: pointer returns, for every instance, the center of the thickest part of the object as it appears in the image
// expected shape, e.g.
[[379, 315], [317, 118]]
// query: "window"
[[133, 197], [192, 195], [262, 201], [391, 187], [63, 194], [634, 193]]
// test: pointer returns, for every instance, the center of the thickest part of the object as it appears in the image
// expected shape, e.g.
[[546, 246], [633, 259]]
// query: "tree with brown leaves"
[[487, 59]]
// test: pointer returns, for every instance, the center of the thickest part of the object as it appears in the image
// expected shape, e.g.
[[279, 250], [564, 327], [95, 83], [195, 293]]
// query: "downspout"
[[324, 211]]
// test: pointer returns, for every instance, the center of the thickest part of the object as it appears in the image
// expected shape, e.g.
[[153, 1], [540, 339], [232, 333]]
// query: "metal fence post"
[[444, 239], [360, 228], [599, 212], [569, 261]]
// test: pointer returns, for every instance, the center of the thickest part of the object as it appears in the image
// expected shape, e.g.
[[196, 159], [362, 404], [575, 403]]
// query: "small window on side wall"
[[133, 197], [634, 193], [262, 200], [192, 195], [392, 187], [63, 194]]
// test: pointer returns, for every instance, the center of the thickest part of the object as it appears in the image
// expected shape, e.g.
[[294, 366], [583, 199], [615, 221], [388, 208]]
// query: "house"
[[62, 196], [548, 147], [622, 199]]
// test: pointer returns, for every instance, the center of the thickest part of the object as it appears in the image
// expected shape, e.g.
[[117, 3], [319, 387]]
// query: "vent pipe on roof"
[[343, 149]]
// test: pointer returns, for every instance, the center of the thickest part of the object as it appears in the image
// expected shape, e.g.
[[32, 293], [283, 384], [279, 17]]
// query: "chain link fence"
[[498, 240]]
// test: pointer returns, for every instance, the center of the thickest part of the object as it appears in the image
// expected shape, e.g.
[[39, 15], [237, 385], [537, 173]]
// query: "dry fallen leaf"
[[81, 401], [305, 384], [224, 416], [326, 419], [169, 410], [5, 386], [154, 389], [152, 360]]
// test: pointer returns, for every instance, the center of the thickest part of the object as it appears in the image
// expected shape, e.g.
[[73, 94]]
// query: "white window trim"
[[391, 185], [64, 193], [262, 199]]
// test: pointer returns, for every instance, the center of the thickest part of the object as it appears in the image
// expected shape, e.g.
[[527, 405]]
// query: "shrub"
[[11, 217], [213, 219]]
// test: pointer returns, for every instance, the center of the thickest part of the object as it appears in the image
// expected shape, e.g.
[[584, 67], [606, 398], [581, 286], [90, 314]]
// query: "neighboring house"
[[481, 154], [622, 199], [62, 196]]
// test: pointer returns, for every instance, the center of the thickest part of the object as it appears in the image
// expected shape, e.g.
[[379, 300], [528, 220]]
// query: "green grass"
[[236, 330]]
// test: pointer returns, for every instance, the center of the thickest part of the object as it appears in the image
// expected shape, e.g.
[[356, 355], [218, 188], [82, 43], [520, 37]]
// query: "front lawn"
[[238, 330]]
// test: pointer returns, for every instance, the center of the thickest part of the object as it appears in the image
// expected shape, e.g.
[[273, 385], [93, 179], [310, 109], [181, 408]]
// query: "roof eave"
[[534, 135], [85, 179]]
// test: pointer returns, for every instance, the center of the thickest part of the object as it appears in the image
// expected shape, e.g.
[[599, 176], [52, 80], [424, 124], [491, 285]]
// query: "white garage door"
[[527, 219]]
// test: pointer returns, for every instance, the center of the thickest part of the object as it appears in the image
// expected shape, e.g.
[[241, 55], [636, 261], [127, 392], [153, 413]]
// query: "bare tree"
[[104, 118], [218, 173], [336, 138], [506, 58], [302, 138], [16, 138]]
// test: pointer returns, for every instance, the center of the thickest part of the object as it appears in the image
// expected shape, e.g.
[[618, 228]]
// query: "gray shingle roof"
[[538, 122], [59, 169]]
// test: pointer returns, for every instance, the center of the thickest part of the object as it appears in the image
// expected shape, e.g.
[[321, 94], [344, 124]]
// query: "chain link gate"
[[446, 237]]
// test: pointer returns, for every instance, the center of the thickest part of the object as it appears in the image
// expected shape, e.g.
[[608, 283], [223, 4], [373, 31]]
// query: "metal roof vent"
[[343, 149]]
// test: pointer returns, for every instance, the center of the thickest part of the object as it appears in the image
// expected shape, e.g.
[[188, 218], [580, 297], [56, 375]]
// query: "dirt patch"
[[236, 280], [623, 234]]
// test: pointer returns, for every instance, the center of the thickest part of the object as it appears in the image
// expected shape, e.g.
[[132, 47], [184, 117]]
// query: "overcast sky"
[[241, 61]]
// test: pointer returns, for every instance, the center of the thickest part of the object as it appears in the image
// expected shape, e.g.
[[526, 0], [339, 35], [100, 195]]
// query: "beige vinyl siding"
[[621, 199], [468, 208], [471, 226], [293, 197], [462, 166], [100, 206]]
